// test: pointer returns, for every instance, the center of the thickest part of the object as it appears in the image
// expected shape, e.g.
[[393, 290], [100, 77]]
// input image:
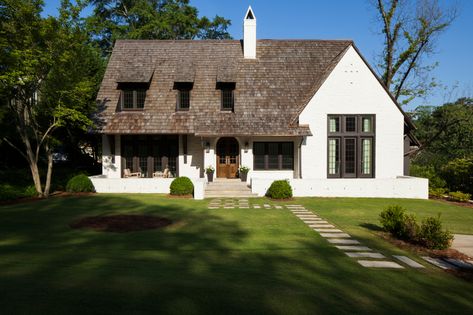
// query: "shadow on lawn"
[[202, 264]]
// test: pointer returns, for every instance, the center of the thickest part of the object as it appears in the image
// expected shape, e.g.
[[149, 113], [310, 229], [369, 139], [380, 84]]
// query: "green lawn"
[[248, 261]]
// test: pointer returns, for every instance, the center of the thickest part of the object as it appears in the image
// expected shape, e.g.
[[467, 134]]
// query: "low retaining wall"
[[103, 184], [400, 187]]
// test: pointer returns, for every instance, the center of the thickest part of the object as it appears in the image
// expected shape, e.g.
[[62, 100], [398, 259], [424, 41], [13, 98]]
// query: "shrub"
[[182, 186], [411, 229], [9, 192], [459, 175], [458, 196], [429, 172], [432, 236], [280, 189], [392, 219], [80, 183], [30, 191], [437, 192]]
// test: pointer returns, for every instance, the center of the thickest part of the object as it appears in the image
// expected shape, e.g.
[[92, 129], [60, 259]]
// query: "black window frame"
[[266, 156], [183, 95], [227, 87], [135, 89], [358, 135]]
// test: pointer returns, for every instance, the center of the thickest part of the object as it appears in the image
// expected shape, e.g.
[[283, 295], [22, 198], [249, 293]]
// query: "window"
[[183, 102], [227, 96], [350, 146], [133, 99], [273, 156]]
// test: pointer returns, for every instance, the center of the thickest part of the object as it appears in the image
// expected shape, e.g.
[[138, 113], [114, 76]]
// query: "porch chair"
[[158, 174], [128, 173]]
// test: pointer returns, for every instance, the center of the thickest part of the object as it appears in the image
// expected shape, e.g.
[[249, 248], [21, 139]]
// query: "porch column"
[[208, 147]]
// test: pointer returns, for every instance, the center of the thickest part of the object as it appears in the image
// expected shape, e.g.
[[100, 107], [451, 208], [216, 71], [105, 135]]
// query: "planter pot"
[[210, 177], [243, 176]]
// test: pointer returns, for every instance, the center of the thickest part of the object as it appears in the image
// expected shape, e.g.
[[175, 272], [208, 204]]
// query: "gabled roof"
[[269, 94]]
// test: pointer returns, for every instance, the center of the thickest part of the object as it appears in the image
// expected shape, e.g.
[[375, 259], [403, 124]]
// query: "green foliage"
[[437, 192], [458, 196], [182, 186], [209, 169], [244, 169], [405, 227], [9, 192], [80, 183], [279, 189], [151, 19], [428, 171], [432, 236], [30, 191], [458, 174], [392, 219]]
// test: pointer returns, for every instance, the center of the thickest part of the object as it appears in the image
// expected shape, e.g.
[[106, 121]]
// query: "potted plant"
[[209, 170], [243, 170]]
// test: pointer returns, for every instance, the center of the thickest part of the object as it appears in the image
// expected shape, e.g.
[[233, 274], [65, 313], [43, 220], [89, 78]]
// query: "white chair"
[[128, 173]]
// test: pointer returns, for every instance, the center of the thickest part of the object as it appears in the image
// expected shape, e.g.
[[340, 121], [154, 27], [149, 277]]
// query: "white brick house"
[[310, 111]]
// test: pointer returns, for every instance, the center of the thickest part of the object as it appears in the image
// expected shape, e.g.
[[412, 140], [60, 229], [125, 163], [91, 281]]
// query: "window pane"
[[367, 125], [140, 98], [128, 99], [333, 156], [273, 155], [350, 124], [366, 147], [184, 99], [258, 153], [350, 156], [227, 99], [334, 124], [287, 155]]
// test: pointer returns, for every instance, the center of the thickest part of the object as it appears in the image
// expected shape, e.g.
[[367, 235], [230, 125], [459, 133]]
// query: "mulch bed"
[[457, 203], [55, 194], [122, 223]]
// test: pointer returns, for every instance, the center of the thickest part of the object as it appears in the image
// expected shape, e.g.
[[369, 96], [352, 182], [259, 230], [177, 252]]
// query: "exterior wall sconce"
[[246, 146], [207, 146]]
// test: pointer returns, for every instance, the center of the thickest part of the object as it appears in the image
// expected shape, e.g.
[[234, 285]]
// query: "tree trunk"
[[47, 188]]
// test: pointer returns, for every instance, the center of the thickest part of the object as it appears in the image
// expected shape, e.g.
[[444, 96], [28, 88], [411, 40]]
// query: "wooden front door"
[[227, 157]]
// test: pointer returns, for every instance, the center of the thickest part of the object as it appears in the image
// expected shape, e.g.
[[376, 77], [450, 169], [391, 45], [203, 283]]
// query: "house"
[[310, 111]]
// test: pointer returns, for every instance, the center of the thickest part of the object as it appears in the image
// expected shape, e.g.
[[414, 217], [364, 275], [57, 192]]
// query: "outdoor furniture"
[[166, 173], [128, 173]]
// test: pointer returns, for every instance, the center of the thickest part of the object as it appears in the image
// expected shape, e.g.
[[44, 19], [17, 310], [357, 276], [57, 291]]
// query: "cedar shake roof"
[[270, 91]]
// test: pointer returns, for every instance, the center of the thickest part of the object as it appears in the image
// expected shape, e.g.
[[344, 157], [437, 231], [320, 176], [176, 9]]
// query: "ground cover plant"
[[227, 261]]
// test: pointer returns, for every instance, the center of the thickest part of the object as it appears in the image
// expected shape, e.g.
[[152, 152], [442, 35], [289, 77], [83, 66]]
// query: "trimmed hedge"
[[279, 189], [80, 183], [405, 227], [182, 186]]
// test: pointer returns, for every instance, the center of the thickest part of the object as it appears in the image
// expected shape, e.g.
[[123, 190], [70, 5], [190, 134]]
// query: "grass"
[[239, 261]]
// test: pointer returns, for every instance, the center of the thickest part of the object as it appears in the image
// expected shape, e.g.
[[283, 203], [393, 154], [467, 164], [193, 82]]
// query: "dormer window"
[[183, 95], [132, 96], [227, 96]]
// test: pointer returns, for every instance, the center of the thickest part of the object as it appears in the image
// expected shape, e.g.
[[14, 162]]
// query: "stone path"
[[463, 243], [239, 203], [343, 241]]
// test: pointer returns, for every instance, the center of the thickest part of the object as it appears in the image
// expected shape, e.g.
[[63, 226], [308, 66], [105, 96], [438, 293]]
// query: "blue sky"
[[348, 19]]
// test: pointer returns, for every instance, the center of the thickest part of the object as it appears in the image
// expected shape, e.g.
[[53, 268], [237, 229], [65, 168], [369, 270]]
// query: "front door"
[[227, 157]]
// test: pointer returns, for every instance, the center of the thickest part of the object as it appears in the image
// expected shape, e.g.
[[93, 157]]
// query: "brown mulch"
[[56, 194], [457, 203], [122, 223]]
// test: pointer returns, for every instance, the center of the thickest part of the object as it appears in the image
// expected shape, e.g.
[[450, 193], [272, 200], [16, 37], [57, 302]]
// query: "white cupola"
[[249, 35]]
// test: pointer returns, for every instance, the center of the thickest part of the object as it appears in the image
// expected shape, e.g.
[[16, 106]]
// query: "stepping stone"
[[321, 230], [342, 241], [278, 207], [335, 235], [243, 207], [439, 263], [379, 264], [293, 206], [301, 212], [256, 207], [307, 216], [315, 220], [459, 263], [365, 255], [213, 207], [228, 207], [321, 222], [408, 261], [353, 248], [317, 226]]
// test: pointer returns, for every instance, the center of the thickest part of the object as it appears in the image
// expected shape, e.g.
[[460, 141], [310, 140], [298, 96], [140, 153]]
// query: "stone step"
[[229, 194]]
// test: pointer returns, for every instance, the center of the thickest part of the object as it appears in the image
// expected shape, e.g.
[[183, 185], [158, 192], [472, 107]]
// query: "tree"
[[48, 78], [151, 19], [410, 29]]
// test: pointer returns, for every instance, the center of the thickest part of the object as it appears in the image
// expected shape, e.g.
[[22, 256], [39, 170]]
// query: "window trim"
[[358, 135], [279, 155], [178, 100]]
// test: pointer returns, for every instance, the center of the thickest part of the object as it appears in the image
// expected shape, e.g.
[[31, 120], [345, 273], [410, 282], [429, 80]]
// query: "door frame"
[[217, 156]]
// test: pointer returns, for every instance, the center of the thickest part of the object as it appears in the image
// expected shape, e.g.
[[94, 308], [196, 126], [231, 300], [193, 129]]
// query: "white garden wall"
[[400, 187], [353, 89]]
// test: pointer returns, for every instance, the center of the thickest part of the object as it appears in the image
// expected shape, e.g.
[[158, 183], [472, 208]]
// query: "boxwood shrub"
[[182, 186], [80, 183], [279, 189]]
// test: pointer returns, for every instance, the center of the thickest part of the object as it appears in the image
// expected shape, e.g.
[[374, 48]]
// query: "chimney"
[[249, 35]]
